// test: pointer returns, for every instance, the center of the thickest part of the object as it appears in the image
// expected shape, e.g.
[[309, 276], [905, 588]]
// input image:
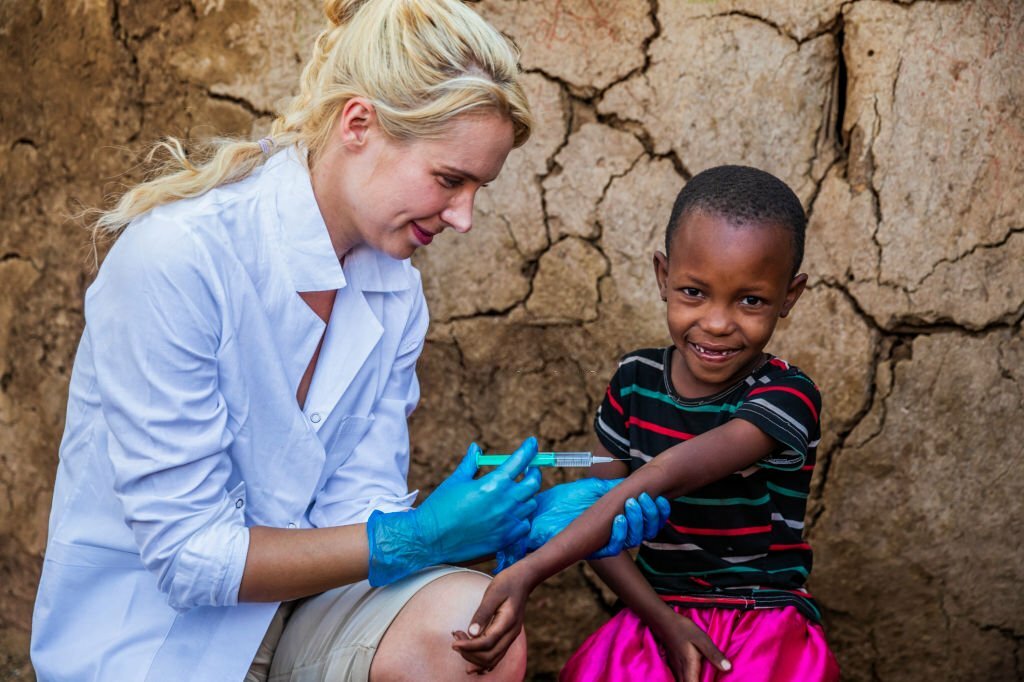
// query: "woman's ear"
[[355, 121], [661, 273], [796, 287]]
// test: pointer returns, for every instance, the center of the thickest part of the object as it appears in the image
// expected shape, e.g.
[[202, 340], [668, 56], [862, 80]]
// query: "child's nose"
[[717, 321]]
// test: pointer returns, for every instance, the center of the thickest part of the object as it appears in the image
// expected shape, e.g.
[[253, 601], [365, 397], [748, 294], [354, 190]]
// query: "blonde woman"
[[231, 499]]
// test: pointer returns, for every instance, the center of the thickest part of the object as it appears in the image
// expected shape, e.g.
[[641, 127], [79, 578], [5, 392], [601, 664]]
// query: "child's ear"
[[661, 273], [796, 287]]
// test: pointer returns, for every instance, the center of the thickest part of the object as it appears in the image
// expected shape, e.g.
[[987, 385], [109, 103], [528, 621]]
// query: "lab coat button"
[[291, 525], [239, 504], [315, 417]]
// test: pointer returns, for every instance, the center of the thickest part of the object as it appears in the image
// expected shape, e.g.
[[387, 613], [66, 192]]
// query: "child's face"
[[726, 287]]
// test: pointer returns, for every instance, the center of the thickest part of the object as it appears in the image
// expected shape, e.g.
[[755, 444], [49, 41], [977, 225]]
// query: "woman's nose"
[[459, 213]]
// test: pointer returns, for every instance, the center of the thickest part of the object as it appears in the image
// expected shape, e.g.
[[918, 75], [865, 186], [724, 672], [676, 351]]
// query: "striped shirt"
[[737, 542]]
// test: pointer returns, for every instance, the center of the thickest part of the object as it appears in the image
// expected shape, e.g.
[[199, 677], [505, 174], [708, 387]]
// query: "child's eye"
[[751, 300], [692, 292]]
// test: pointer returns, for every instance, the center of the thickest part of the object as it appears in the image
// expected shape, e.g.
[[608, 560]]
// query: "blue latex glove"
[[558, 506], [464, 518]]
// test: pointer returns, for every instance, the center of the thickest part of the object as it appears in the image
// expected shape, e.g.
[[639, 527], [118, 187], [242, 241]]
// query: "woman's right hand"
[[464, 518], [685, 646]]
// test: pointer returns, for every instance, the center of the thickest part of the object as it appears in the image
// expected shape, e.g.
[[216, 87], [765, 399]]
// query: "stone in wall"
[[733, 89], [935, 128], [911, 538], [565, 287], [633, 214], [521, 380], [840, 247], [797, 19], [211, 58], [593, 156], [611, 31]]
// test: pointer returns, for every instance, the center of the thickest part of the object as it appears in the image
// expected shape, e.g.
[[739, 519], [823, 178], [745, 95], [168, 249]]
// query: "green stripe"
[[725, 501], [731, 569], [786, 491], [799, 569], [647, 393]]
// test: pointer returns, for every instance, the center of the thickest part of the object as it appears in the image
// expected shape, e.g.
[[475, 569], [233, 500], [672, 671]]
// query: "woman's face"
[[397, 196]]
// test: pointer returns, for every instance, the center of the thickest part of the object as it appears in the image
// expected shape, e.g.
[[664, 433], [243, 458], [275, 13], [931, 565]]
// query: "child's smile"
[[726, 285]]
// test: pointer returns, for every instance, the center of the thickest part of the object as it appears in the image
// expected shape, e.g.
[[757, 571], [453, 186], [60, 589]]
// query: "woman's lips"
[[422, 235]]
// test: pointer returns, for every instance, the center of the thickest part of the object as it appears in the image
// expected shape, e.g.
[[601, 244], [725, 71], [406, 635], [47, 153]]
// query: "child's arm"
[[687, 466], [684, 642], [608, 470]]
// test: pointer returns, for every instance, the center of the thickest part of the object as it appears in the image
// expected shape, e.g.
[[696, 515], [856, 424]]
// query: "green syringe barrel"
[[542, 459]]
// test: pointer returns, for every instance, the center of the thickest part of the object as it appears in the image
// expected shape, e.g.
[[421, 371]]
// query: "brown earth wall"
[[899, 124]]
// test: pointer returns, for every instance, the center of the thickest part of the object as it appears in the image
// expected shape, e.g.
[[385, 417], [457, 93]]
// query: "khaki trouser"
[[334, 636]]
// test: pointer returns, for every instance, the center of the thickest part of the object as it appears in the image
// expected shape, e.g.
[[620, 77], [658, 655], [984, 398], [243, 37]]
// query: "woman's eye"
[[449, 181]]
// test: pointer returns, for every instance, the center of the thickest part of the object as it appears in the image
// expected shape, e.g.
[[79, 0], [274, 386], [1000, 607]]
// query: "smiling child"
[[728, 432]]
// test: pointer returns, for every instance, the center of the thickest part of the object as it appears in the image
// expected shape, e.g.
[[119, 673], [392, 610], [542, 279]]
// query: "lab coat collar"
[[312, 263], [371, 270]]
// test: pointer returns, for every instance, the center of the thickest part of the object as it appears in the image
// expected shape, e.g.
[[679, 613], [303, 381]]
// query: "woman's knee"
[[417, 645]]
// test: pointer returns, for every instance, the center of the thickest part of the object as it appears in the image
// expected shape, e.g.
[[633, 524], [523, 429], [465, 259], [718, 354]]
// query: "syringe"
[[550, 459]]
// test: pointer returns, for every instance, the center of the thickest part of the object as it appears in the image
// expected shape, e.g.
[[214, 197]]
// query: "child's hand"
[[685, 646], [495, 625]]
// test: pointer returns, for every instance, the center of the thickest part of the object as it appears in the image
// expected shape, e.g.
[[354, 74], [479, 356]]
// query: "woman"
[[236, 431]]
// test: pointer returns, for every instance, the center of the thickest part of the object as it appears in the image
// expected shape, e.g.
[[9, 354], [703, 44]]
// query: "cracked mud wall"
[[899, 124]]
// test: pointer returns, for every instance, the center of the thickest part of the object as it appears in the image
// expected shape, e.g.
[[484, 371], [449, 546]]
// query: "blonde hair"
[[422, 63]]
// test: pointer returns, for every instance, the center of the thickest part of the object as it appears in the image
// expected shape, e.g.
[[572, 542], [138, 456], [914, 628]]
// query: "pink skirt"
[[765, 645]]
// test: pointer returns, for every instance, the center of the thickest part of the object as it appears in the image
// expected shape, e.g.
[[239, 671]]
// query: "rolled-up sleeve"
[[375, 475], [154, 322]]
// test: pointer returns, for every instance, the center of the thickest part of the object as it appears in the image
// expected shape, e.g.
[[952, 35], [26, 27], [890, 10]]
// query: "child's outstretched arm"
[[682, 468]]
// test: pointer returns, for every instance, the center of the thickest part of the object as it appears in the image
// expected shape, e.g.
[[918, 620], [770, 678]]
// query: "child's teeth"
[[708, 351]]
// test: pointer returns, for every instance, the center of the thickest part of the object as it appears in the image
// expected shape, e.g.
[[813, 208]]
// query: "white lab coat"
[[183, 429]]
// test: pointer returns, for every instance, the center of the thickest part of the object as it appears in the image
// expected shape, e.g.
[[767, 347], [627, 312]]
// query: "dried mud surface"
[[899, 124]]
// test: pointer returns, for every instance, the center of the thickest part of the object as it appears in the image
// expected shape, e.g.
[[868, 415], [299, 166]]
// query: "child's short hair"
[[743, 195]]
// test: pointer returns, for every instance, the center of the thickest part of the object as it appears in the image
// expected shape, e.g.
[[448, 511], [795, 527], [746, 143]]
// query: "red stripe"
[[807, 467], [649, 426], [707, 600], [787, 389], [779, 548], [752, 530], [618, 408], [778, 362]]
